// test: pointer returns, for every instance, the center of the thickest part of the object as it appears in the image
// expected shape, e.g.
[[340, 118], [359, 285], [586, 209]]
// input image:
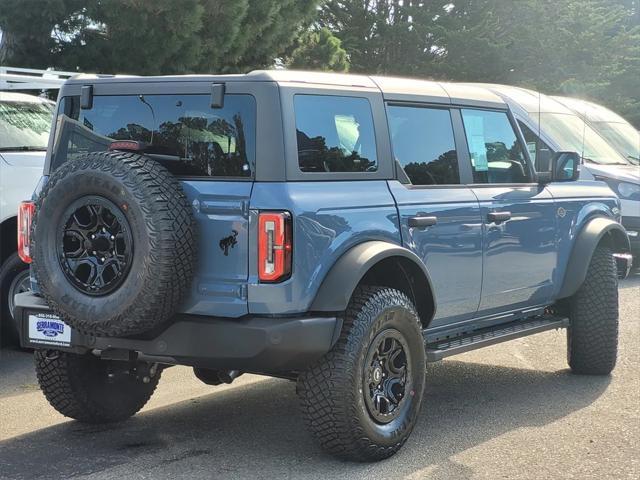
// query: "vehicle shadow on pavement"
[[256, 431], [17, 372]]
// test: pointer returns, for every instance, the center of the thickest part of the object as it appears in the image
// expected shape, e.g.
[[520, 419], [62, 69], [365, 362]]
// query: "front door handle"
[[422, 222], [498, 217]]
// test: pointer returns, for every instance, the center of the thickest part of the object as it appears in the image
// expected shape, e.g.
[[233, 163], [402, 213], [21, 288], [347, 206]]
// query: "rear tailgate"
[[222, 212]]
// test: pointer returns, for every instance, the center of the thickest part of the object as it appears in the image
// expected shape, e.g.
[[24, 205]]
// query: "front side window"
[[496, 153], [335, 134], [24, 125], [539, 152], [423, 143], [182, 132]]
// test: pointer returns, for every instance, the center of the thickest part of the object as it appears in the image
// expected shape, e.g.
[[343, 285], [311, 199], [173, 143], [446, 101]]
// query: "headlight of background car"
[[626, 190], [629, 190]]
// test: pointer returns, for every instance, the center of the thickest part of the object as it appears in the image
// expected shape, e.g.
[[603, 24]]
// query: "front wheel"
[[91, 390], [362, 400], [592, 336]]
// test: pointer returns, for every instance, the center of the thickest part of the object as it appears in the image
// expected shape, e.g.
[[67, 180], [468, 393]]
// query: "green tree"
[[130, 36], [151, 36], [589, 48], [319, 50], [27, 27], [386, 36]]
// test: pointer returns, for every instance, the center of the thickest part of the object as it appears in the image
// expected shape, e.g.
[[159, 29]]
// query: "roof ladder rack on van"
[[12, 78]]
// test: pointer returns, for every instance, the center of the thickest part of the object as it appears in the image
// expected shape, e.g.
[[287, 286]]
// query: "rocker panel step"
[[493, 335]]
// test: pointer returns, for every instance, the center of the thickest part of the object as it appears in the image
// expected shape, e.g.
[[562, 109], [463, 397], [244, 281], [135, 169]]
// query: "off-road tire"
[[163, 231], [592, 336], [79, 387], [9, 272], [331, 394]]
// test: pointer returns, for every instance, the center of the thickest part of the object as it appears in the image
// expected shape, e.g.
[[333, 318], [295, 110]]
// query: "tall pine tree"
[[151, 37]]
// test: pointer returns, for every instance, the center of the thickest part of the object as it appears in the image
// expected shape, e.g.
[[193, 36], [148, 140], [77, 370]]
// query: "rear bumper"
[[251, 344]]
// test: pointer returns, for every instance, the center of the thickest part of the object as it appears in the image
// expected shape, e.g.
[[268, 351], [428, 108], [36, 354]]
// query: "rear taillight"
[[274, 246], [25, 217]]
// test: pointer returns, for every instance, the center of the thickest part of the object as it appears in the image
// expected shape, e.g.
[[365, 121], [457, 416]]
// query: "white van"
[[549, 126], [616, 130]]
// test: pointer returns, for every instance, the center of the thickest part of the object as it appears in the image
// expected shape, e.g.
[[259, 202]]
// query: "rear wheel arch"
[[599, 231], [382, 264]]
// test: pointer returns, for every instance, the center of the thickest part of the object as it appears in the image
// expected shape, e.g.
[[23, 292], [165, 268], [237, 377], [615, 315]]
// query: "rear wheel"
[[592, 336], [91, 390], [362, 400], [14, 279]]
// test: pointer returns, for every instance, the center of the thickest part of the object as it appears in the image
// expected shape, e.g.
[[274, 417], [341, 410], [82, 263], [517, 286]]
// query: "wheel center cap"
[[101, 244], [377, 374]]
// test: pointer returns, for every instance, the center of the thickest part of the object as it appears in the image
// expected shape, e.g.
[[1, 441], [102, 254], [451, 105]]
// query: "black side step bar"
[[492, 335]]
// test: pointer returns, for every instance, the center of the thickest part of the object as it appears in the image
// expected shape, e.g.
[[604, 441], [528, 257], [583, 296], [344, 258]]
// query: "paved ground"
[[512, 411]]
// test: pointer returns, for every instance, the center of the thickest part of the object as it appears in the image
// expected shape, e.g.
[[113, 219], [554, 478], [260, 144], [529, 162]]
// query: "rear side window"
[[496, 153], [423, 144], [335, 134], [181, 131]]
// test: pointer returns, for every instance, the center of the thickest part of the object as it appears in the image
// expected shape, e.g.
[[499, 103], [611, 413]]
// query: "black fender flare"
[[345, 275], [585, 244]]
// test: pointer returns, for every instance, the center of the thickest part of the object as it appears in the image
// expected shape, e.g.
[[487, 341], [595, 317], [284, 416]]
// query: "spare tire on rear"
[[113, 243]]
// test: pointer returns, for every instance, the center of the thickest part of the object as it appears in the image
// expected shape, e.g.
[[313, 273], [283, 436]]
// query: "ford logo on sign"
[[50, 329]]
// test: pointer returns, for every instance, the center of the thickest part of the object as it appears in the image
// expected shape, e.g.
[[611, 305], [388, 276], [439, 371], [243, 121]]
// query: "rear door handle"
[[422, 222], [498, 217]]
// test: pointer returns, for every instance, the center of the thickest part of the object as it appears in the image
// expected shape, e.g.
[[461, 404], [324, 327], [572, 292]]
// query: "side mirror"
[[565, 167]]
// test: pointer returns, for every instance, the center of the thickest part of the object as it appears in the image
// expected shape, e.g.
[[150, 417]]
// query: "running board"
[[492, 335]]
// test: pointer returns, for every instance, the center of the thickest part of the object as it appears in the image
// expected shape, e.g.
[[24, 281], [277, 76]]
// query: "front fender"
[[594, 231], [345, 275]]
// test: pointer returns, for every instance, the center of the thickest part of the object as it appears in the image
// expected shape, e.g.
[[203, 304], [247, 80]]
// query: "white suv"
[[25, 122]]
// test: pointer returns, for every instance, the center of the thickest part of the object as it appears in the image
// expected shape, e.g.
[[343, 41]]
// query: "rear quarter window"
[[182, 132], [335, 134]]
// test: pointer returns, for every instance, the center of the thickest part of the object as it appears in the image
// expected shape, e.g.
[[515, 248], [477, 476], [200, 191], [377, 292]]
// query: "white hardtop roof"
[[451, 92]]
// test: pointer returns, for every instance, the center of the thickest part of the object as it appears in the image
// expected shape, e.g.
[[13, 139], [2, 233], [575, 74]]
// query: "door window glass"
[[496, 153], [539, 152], [335, 134], [423, 144]]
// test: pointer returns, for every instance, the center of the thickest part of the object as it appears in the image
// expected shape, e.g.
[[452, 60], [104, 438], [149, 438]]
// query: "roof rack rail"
[[13, 78]]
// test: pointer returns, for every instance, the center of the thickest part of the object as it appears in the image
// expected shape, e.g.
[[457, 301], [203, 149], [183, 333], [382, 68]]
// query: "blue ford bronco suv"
[[336, 230]]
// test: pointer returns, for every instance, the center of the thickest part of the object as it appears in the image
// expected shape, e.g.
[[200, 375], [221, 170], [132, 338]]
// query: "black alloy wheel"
[[387, 377], [96, 247]]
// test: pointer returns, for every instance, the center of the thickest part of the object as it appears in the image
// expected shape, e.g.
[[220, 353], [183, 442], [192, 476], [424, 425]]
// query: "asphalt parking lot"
[[512, 411]]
